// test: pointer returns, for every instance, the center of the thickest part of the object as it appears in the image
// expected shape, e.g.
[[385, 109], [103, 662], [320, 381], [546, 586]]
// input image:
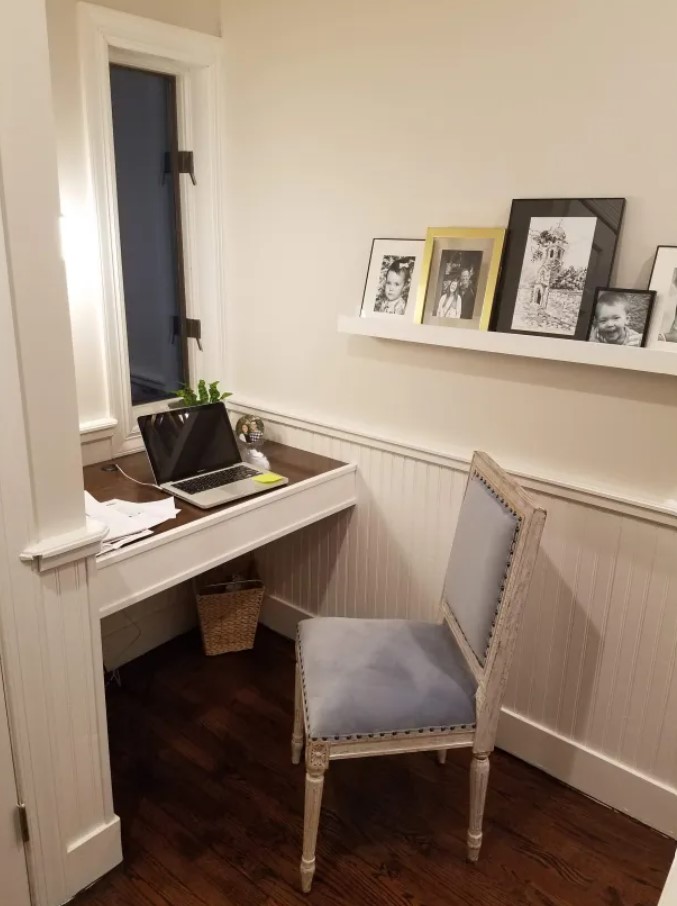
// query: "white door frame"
[[50, 636], [13, 870], [669, 895]]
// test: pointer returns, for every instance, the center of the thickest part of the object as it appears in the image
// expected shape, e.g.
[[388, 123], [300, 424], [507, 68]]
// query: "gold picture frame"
[[458, 276]]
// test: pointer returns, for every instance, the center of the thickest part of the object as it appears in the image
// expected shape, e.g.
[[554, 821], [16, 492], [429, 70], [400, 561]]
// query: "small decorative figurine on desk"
[[250, 431]]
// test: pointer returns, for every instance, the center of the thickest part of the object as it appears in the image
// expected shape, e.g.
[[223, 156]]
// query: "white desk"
[[201, 539]]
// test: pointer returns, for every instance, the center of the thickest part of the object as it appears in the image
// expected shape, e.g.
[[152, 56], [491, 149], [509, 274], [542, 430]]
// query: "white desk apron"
[[153, 564]]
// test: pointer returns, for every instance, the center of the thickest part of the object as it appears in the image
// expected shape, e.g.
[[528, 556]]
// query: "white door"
[[12, 860], [669, 897]]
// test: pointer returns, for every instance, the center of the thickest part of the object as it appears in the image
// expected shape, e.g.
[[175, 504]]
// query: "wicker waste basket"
[[228, 605]]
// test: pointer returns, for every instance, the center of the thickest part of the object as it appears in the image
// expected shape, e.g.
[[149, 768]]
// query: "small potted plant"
[[205, 393]]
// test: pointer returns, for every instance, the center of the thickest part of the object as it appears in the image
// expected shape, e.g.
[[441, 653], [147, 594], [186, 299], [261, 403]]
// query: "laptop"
[[194, 455]]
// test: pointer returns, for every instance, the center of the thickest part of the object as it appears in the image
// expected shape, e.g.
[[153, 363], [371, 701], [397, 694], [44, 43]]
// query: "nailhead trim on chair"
[[299, 661], [490, 487], [394, 734]]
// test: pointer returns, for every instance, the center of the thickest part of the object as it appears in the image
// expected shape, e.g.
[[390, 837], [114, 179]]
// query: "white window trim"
[[196, 59]]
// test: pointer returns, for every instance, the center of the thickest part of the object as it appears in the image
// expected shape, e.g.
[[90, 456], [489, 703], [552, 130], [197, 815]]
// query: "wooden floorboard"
[[212, 808]]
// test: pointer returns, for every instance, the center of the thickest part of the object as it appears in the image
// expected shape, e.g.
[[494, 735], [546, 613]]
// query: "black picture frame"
[[636, 318], [519, 308]]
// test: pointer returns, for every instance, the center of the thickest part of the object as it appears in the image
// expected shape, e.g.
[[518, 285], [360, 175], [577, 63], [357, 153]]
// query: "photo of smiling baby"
[[621, 316]]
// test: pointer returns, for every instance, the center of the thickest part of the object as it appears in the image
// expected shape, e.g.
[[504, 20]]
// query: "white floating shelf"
[[630, 358]]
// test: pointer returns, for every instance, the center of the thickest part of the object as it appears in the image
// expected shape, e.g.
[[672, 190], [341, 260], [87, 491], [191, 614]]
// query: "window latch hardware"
[[192, 328], [185, 163], [23, 822]]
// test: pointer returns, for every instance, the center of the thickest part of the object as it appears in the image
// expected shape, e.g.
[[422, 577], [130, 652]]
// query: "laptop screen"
[[184, 442]]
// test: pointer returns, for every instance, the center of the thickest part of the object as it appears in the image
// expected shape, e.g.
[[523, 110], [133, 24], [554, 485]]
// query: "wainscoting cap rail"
[[655, 511], [97, 428], [58, 550]]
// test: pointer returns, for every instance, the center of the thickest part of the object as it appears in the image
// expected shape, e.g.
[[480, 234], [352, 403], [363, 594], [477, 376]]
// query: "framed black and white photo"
[[460, 269], [663, 282], [392, 278], [558, 252], [621, 317]]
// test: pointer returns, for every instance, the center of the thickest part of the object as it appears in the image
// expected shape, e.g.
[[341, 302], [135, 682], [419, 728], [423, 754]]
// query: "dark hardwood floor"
[[212, 808]]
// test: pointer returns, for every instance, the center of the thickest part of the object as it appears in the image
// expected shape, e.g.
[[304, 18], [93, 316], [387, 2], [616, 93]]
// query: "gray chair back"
[[479, 562], [487, 580]]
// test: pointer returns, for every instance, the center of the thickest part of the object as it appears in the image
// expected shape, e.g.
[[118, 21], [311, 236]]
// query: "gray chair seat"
[[377, 677]]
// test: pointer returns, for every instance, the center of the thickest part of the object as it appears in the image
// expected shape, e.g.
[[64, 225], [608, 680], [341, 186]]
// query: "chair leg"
[[479, 779], [297, 733], [441, 756], [317, 762]]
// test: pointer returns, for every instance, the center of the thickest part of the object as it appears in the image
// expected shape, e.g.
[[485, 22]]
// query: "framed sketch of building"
[[558, 252]]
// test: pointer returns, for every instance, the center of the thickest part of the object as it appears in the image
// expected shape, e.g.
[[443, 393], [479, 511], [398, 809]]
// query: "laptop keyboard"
[[214, 479]]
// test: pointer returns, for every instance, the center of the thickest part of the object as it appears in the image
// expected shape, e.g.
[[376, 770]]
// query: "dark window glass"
[[144, 133]]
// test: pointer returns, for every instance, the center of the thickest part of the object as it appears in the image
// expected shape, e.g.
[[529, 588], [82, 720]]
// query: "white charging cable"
[[146, 484]]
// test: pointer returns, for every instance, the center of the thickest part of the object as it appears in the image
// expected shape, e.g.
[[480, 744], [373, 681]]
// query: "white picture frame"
[[663, 281], [393, 278]]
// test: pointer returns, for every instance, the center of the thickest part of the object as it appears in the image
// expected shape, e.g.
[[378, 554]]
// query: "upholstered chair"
[[384, 687]]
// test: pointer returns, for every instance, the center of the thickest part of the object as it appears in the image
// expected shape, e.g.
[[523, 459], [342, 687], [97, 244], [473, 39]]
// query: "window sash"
[[176, 229]]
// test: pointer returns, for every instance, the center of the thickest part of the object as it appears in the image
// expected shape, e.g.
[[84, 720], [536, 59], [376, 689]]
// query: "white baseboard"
[[93, 854], [281, 616], [610, 782]]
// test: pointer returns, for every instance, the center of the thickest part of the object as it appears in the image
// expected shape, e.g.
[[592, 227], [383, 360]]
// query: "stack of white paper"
[[127, 521]]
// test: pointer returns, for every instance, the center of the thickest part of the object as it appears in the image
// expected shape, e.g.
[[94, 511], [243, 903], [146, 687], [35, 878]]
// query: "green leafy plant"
[[205, 393]]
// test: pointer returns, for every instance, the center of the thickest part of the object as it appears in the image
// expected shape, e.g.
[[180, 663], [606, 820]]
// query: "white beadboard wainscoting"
[[592, 697]]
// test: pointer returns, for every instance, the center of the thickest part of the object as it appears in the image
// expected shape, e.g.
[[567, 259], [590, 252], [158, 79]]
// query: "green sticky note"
[[267, 478]]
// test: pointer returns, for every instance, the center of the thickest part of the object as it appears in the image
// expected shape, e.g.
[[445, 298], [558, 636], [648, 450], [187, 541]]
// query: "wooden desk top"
[[296, 465]]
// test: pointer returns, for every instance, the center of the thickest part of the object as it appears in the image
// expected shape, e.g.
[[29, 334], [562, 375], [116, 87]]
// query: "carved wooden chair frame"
[[491, 677]]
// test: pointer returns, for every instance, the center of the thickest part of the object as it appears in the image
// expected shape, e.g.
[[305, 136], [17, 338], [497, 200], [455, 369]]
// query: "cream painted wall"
[[84, 278], [200, 15], [356, 120]]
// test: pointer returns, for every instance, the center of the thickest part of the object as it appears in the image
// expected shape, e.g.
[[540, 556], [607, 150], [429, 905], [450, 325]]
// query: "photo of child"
[[449, 304], [392, 278], [621, 317], [392, 294], [457, 283]]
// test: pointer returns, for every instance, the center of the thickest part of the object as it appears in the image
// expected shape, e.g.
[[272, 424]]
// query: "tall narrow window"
[[149, 212]]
